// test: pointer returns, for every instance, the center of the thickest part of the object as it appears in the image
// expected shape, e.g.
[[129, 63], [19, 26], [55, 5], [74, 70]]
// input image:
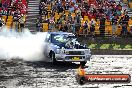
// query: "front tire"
[[83, 63], [52, 57]]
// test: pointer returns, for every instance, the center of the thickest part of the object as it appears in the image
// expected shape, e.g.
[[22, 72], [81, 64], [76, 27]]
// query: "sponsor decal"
[[82, 77]]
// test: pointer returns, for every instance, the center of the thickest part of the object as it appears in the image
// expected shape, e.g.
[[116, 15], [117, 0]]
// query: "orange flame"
[[81, 71]]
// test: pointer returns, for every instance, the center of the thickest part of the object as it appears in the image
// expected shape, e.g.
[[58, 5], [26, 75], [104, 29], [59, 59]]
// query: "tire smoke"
[[23, 45]]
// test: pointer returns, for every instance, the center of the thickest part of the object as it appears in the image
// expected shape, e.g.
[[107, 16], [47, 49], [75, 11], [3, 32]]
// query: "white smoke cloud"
[[23, 45]]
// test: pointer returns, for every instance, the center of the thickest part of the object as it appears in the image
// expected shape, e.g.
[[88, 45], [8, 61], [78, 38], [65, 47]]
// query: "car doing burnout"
[[63, 46]]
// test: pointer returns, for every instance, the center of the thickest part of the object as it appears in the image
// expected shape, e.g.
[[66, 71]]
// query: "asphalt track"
[[22, 74]]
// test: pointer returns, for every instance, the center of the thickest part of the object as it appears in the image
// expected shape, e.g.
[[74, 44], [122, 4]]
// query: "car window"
[[60, 38], [57, 38]]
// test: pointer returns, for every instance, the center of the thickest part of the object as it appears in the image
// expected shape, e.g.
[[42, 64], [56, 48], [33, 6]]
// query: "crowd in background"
[[15, 8], [98, 12]]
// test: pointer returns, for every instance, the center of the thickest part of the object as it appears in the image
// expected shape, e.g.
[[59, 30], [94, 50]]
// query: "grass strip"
[[110, 46]]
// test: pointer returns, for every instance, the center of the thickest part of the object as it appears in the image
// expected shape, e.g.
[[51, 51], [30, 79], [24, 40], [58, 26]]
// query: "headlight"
[[86, 51], [58, 51], [62, 51], [89, 51]]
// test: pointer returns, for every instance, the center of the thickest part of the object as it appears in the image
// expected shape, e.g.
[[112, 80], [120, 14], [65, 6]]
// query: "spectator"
[[124, 26], [121, 21], [44, 1], [61, 28], [40, 19], [77, 22], [51, 26], [114, 25], [38, 25], [102, 26], [71, 9], [51, 23], [16, 16], [92, 27], [45, 13], [85, 28], [119, 8], [51, 20], [22, 22], [126, 18], [54, 7], [130, 30], [60, 9], [73, 27], [69, 17], [1, 22], [66, 27], [67, 6]]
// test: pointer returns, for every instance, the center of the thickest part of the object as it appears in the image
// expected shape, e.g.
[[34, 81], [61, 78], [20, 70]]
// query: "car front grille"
[[75, 53]]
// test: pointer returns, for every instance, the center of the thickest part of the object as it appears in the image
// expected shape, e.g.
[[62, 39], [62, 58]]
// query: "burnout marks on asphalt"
[[43, 75]]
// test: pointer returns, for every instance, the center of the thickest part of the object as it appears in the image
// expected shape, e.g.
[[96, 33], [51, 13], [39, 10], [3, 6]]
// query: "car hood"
[[77, 46]]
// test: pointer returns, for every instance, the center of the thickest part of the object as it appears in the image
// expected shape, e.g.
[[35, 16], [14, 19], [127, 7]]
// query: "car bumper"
[[72, 58]]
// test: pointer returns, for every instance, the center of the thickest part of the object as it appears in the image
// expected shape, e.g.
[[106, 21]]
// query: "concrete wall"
[[111, 52], [101, 40]]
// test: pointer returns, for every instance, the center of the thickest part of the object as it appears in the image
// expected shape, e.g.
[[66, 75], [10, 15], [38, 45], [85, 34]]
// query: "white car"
[[63, 46]]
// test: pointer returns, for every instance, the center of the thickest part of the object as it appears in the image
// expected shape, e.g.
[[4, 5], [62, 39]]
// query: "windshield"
[[61, 38]]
